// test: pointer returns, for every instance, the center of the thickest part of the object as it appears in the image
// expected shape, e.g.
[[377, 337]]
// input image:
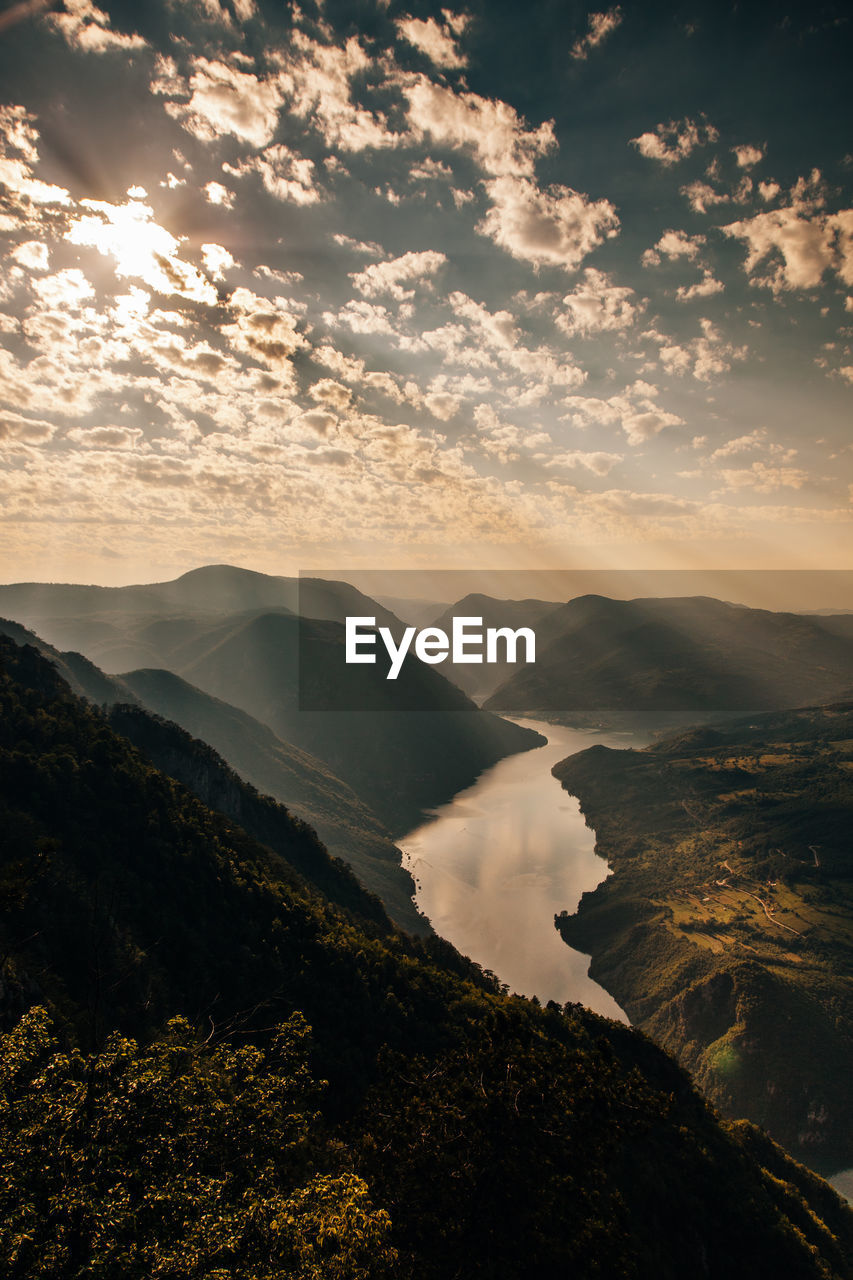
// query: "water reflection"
[[496, 865]]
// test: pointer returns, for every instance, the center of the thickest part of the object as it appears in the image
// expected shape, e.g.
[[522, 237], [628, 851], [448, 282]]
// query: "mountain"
[[142, 626], [403, 746], [623, 660], [305, 784], [278, 770], [462, 1131], [481, 679], [233, 634], [725, 930]]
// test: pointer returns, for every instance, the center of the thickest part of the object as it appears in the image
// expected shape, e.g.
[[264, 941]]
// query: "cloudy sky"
[[386, 283]]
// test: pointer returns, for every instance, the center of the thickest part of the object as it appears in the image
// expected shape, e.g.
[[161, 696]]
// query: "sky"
[[378, 284]]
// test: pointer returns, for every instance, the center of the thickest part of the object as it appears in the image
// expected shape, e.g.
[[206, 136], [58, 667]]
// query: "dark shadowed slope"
[[306, 785]]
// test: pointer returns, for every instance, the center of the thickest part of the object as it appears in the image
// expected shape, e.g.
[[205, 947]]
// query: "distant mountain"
[[496, 1138], [725, 930], [397, 756], [139, 626], [616, 660], [480, 679], [412, 610]]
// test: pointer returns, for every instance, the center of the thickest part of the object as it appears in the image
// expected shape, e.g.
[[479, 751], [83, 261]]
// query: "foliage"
[[177, 1160]]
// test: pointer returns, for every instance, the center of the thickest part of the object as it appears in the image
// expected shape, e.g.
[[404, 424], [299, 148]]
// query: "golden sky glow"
[[286, 290]]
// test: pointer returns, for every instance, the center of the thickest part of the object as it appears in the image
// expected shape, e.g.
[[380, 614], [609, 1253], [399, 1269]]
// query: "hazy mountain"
[[138, 626], [231, 632], [616, 659], [414, 611], [414, 742], [480, 679], [502, 1140]]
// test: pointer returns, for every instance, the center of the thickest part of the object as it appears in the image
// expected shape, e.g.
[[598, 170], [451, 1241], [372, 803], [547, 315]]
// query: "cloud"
[[505, 441], [390, 277], [32, 254], [764, 478], [596, 305], [755, 441], [140, 247], [213, 11], [215, 193], [224, 101], [361, 317], [492, 130], [318, 79], [333, 394], [67, 289], [600, 27], [599, 463], [442, 405], [216, 259], [799, 243], [491, 340], [88, 28], [167, 81], [554, 227], [705, 288], [634, 410], [436, 40], [704, 357], [701, 197], [368, 247], [672, 245], [748, 155], [264, 330], [106, 437], [19, 134], [16, 429], [285, 174], [642, 425], [670, 143]]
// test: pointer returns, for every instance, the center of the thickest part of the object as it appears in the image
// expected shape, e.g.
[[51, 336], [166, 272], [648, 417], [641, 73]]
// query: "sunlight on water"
[[499, 861]]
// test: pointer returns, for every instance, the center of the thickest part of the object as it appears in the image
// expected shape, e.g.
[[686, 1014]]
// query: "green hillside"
[[726, 928]]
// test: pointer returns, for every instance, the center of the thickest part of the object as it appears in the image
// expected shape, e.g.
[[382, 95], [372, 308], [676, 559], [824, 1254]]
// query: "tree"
[[179, 1160]]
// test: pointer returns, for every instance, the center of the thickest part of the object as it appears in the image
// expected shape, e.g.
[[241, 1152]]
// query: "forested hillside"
[[462, 1131], [726, 930]]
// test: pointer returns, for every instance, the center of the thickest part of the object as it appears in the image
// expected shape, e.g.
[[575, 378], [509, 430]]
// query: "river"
[[499, 861]]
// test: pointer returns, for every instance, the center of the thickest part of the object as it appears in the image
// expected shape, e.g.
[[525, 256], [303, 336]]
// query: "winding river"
[[495, 865]]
